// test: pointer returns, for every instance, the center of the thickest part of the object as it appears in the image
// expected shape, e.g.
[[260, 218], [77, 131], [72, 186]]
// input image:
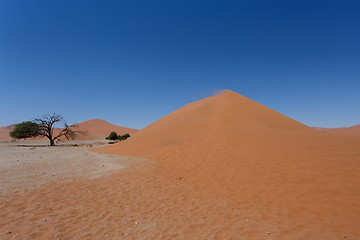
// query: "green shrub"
[[112, 136], [123, 137]]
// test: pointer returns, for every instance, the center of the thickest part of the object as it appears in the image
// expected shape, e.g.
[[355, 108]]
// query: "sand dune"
[[98, 129], [282, 174], [4, 132], [352, 131]]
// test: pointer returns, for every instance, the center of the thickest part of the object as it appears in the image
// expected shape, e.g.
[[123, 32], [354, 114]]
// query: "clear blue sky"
[[133, 62]]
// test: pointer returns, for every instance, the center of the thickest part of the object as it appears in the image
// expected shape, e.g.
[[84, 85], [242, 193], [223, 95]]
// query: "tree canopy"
[[25, 130]]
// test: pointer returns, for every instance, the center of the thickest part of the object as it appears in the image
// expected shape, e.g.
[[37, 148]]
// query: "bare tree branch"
[[46, 128]]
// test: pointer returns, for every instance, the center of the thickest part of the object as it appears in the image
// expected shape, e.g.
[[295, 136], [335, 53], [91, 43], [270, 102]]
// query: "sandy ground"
[[66, 193], [144, 200], [28, 165], [141, 201]]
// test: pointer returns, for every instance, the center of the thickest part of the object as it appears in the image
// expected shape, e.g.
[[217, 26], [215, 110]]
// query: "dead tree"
[[47, 129]]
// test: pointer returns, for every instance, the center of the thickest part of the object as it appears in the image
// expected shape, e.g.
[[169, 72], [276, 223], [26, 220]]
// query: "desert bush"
[[123, 137], [112, 136]]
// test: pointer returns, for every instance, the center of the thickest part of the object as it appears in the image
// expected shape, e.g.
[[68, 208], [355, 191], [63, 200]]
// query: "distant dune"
[[283, 174], [353, 131], [4, 132], [95, 129], [98, 129]]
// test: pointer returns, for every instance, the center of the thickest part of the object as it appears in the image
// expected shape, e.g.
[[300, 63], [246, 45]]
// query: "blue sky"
[[133, 62]]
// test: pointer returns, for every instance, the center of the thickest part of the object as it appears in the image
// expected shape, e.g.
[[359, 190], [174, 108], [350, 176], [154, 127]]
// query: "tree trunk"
[[52, 143]]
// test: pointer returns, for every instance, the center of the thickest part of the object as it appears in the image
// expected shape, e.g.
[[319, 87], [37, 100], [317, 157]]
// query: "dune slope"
[[281, 173]]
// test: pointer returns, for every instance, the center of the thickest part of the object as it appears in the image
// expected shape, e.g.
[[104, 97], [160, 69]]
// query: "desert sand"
[[352, 131], [224, 167]]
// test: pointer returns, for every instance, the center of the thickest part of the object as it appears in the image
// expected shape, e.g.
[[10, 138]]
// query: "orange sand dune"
[[279, 173], [97, 129], [4, 132], [353, 131]]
